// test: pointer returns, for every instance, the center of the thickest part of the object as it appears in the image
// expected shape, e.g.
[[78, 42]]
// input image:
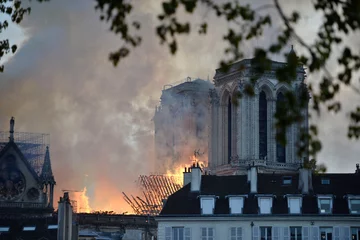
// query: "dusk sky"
[[99, 117]]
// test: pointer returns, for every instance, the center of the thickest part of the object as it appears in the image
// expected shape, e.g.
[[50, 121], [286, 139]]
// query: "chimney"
[[65, 218], [305, 180], [249, 174], [187, 176], [12, 124], [253, 179], [195, 178]]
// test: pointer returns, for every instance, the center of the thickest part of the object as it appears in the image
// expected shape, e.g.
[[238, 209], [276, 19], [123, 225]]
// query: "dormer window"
[[354, 204], [207, 204], [265, 204], [287, 180], [29, 228], [236, 204], [4, 229], [294, 204], [325, 204], [325, 181]]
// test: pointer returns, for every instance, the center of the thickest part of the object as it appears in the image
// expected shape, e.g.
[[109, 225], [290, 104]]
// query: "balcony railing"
[[235, 162], [22, 205]]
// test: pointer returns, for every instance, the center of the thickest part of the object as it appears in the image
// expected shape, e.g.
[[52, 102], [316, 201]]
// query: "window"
[[325, 204], [4, 229], [235, 233], [326, 233], [354, 205], [294, 205], [53, 227], [355, 233], [262, 125], [281, 109], [207, 204], [236, 204], [207, 234], [177, 233], [265, 205], [295, 233], [287, 180], [229, 129], [265, 233], [30, 228], [325, 181]]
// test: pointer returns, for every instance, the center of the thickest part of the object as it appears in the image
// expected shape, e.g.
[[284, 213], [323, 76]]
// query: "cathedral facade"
[[26, 189], [242, 130]]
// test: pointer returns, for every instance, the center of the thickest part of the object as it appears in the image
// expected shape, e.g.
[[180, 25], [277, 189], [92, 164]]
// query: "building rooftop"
[[185, 202]]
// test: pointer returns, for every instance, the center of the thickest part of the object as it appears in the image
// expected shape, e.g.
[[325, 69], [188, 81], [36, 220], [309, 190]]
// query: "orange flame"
[[82, 201], [177, 171]]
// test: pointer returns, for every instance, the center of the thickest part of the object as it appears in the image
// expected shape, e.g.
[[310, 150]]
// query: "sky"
[[99, 116]]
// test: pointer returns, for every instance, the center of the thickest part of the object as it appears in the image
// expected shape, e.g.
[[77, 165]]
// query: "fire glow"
[[177, 172]]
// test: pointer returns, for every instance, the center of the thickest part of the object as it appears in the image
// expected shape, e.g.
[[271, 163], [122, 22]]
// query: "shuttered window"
[[177, 233], [187, 233], [256, 233], [235, 233], [276, 233], [314, 233], [305, 233], [168, 233], [207, 233], [336, 233]]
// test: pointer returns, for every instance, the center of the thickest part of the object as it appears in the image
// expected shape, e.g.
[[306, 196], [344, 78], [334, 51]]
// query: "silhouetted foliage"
[[15, 11], [340, 18]]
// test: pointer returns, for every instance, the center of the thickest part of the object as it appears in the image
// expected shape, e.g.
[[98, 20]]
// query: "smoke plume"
[[99, 117]]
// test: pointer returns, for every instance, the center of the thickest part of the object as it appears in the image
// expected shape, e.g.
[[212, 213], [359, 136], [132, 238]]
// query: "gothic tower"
[[242, 129], [181, 123]]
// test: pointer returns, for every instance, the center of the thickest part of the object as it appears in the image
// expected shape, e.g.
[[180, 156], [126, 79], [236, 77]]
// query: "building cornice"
[[256, 217]]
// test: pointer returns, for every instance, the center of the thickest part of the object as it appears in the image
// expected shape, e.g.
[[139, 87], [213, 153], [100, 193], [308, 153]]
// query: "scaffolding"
[[31, 145], [155, 189]]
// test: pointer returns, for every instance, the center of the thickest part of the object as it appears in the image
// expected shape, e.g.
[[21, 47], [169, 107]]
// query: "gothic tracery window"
[[229, 129], [280, 149], [262, 125]]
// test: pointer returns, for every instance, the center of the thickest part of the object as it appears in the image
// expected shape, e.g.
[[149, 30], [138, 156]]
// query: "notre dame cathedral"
[[238, 134]]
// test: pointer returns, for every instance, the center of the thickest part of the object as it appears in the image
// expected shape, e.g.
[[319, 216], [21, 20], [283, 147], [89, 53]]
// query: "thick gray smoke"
[[99, 117]]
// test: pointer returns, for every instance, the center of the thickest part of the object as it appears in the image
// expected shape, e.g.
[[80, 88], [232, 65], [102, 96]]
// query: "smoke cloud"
[[99, 117]]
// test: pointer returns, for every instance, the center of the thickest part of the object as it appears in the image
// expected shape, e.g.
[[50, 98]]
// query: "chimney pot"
[[195, 179], [253, 179], [305, 180], [186, 177]]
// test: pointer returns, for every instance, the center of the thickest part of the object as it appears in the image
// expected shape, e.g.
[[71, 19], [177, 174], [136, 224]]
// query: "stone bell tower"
[[242, 130]]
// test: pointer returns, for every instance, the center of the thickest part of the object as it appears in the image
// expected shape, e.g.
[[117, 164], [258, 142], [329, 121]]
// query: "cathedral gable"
[[18, 180]]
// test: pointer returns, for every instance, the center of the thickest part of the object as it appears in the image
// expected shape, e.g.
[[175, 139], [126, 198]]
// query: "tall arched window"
[[262, 125], [280, 149], [229, 129]]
